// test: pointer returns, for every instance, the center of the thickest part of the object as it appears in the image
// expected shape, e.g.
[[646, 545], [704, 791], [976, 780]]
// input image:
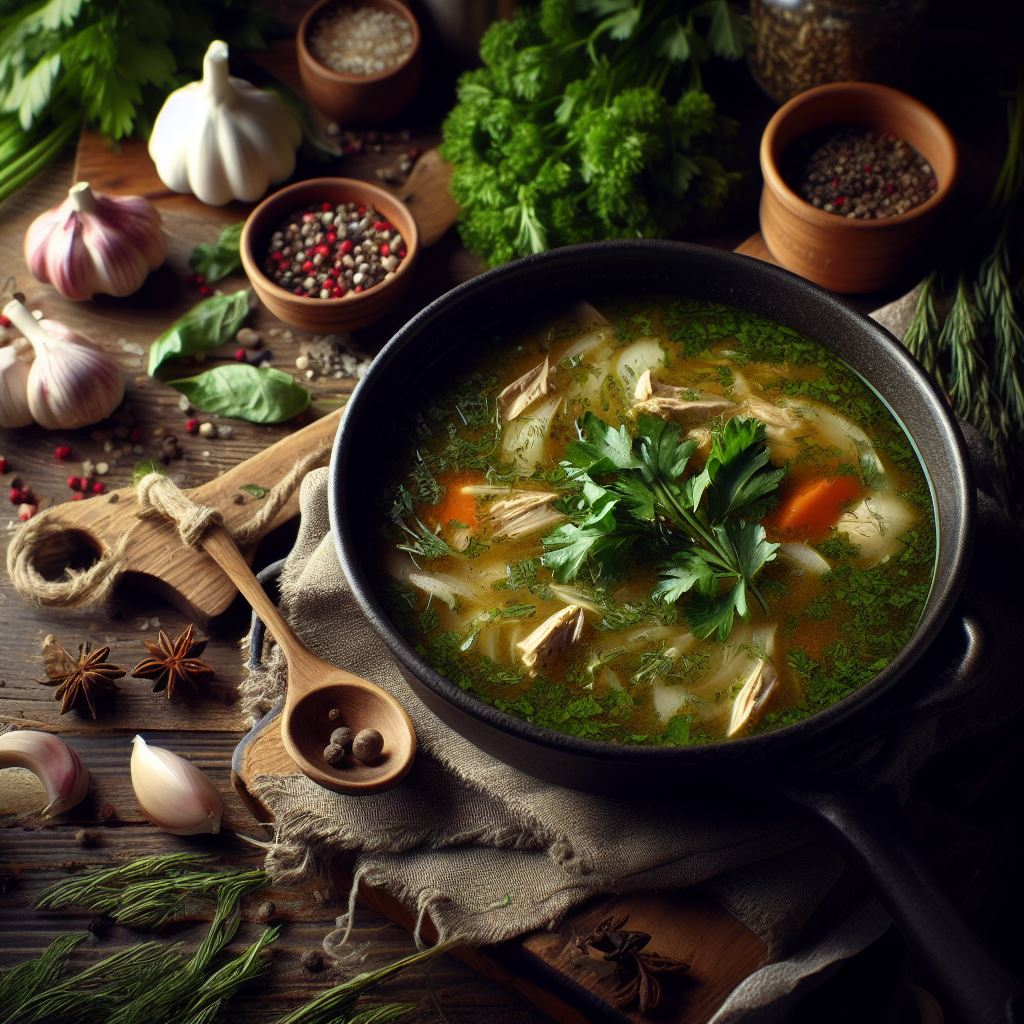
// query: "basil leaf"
[[144, 468], [255, 490], [215, 260], [245, 392], [212, 323]]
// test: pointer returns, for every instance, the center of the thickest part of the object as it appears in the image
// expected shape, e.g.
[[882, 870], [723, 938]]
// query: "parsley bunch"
[[107, 64], [587, 121], [700, 527]]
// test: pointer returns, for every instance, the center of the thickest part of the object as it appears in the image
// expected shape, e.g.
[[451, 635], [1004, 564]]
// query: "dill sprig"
[[153, 981], [152, 890]]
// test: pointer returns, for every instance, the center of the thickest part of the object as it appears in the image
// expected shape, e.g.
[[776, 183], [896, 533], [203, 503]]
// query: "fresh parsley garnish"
[[633, 501]]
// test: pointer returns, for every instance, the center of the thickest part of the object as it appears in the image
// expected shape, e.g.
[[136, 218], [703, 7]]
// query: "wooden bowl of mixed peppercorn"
[[855, 177], [330, 254]]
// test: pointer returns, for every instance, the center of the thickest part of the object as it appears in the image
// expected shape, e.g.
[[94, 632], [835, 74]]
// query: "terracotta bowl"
[[847, 255], [354, 310], [358, 99]]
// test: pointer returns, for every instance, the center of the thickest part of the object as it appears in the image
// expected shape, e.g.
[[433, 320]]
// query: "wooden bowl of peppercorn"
[[330, 254], [359, 63], [856, 175]]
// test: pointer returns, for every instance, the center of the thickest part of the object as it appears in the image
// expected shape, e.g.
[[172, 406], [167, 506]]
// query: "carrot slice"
[[815, 506], [455, 505]]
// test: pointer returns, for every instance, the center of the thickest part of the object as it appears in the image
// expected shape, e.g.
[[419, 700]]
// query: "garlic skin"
[[14, 410], [172, 792], [71, 383], [221, 138], [52, 761], [95, 243]]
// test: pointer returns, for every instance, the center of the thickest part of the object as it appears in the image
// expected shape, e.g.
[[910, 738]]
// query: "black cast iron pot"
[[820, 747]]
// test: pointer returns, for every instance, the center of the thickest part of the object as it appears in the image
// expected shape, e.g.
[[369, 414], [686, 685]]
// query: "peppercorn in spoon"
[[321, 698]]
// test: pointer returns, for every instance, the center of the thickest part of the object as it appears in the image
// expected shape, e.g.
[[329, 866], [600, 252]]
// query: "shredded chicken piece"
[[771, 415], [751, 699], [665, 400], [555, 634], [523, 513], [515, 399]]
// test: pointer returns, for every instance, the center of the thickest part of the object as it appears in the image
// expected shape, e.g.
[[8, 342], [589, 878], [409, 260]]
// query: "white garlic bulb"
[[172, 792], [95, 243], [71, 383], [52, 761], [14, 410], [222, 138]]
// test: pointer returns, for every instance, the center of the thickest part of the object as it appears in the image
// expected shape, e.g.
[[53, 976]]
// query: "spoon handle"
[[220, 546]]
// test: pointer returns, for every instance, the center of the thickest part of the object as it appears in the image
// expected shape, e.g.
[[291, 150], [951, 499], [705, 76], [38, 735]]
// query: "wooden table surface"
[[35, 852]]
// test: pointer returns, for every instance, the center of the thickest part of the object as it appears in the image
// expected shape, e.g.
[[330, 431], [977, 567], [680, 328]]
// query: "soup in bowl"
[[615, 525]]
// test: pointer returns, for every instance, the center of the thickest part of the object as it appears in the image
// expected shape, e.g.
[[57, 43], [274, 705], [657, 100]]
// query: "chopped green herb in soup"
[[667, 523]]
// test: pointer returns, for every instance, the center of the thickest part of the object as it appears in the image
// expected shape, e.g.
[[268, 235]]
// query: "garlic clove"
[[52, 761], [71, 383], [14, 410], [172, 792], [95, 243]]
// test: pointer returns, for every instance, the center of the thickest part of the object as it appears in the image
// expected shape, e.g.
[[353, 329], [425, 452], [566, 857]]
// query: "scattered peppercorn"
[[326, 254], [367, 745], [312, 960], [248, 338], [3, 465], [99, 487], [62, 452], [265, 911], [192, 426], [334, 714], [859, 173], [86, 839], [27, 511], [207, 429]]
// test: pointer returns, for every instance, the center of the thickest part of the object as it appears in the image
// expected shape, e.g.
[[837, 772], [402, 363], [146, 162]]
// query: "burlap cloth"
[[490, 853]]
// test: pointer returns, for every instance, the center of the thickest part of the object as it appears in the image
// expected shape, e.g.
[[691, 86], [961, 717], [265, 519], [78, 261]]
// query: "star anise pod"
[[175, 664], [635, 980], [80, 681]]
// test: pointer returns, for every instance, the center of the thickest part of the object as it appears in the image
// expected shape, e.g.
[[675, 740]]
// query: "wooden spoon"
[[315, 687]]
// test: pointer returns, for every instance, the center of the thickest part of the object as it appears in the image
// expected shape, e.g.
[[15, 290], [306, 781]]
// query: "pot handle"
[[872, 833]]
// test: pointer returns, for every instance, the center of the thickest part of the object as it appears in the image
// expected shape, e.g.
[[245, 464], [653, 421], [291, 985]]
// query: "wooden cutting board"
[[541, 966]]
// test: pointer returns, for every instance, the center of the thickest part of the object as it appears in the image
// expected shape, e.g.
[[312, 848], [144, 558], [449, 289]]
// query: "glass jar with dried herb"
[[802, 43]]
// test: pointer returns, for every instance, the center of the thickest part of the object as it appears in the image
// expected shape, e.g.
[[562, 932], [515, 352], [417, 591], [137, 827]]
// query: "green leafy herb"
[[259, 395], [255, 490], [65, 64], [645, 507], [206, 326], [216, 260], [587, 120], [144, 468]]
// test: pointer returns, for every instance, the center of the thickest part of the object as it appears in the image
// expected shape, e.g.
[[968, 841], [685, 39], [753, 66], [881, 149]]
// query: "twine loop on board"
[[158, 496]]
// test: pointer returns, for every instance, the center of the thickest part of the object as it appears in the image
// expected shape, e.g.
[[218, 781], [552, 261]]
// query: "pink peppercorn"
[[26, 511], [73, 482], [77, 496], [62, 452], [3, 465], [385, 249], [205, 290], [346, 246], [239, 355], [5, 321], [192, 425], [98, 487], [17, 495]]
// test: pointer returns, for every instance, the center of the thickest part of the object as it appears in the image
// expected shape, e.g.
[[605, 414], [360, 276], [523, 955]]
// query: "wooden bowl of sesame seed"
[[854, 232], [330, 254], [359, 60]]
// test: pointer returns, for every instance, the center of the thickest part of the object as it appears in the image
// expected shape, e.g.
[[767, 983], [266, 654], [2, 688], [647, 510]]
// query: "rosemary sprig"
[[152, 890], [968, 325]]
